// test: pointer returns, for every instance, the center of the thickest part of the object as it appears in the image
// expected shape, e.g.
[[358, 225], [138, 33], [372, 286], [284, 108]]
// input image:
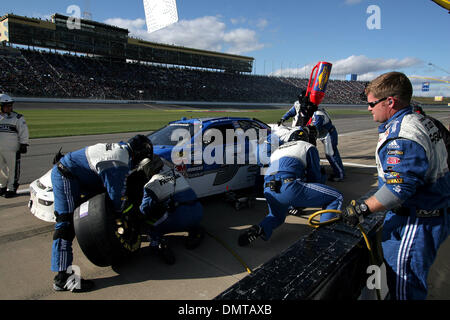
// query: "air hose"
[[230, 250], [316, 224]]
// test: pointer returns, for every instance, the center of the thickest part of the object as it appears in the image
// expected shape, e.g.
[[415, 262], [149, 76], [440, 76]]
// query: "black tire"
[[98, 232]]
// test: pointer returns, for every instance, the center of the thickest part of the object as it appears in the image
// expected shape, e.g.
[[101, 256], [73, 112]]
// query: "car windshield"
[[171, 134]]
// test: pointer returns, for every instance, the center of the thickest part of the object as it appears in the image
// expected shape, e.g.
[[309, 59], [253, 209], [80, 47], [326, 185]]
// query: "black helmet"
[[140, 148], [299, 135]]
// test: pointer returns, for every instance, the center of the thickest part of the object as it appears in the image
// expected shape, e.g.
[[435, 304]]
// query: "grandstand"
[[115, 66]]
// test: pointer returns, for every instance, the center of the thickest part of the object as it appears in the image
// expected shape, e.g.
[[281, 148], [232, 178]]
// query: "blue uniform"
[[88, 171], [172, 204], [297, 168], [328, 135], [414, 185]]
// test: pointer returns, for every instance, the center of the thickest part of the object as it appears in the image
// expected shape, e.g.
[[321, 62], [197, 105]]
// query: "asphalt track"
[[25, 241]]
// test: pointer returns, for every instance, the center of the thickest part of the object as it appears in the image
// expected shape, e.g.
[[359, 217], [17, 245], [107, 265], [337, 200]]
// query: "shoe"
[[2, 191], [250, 235], [295, 211], [66, 282], [195, 237], [163, 250], [10, 194]]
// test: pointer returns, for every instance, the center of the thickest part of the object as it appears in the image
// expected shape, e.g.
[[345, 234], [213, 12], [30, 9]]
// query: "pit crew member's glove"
[[355, 212], [23, 148]]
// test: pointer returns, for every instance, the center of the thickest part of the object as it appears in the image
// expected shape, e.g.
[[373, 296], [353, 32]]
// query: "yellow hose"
[[231, 251]]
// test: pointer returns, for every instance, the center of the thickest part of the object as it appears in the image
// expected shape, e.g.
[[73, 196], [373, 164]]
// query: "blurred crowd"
[[32, 73]]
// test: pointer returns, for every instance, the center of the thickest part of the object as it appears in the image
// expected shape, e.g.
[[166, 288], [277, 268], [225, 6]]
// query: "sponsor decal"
[[393, 160], [394, 181], [393, 145], [395, 152], [397, 189]]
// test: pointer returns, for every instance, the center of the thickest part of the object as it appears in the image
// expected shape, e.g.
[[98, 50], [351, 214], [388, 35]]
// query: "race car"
[[199, 150]]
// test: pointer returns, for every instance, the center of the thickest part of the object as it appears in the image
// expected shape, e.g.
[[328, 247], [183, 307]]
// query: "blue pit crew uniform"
[[414, 185], [295, 167], [87, 171], [328, 135], [171, 204]]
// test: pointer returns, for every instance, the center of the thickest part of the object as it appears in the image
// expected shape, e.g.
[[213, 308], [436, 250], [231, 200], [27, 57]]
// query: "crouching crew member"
[[170, 205], [292, 180]]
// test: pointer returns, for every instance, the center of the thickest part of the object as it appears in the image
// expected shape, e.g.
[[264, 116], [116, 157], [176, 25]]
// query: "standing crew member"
[[299, 111], [292, 180], [326, 132], [14, 141], [89, 171], [413, 186]]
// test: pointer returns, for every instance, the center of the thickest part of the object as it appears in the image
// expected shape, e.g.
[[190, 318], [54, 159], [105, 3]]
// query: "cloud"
[[366, 68], [208, 33]]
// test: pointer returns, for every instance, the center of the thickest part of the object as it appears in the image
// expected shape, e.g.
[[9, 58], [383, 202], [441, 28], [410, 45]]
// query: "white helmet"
[[4, 98]]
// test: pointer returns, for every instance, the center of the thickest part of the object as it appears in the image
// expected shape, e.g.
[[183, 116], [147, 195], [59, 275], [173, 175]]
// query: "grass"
[[44, 123]]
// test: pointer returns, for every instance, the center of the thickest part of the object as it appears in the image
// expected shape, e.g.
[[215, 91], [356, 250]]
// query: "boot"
[[250, 235], [62, 282], [10, 194], [162, 249], [195, 237]]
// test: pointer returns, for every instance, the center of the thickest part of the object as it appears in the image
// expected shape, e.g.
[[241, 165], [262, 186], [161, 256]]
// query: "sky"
[[289, 37]]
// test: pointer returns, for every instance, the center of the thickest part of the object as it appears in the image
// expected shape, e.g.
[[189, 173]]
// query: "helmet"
[[302, 95], [299, 135], [140, 148], [5, 100]]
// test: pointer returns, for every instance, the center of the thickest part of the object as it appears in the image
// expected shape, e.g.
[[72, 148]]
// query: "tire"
[[104, 238]]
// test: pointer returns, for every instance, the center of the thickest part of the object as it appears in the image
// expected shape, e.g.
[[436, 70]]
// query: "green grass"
[[43, 123]]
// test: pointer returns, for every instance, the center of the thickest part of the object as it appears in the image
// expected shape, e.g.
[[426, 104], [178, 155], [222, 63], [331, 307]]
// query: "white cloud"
[[366, 68], [208, 33]]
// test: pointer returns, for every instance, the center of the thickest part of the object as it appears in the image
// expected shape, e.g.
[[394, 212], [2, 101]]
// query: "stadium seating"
[[32, 73]]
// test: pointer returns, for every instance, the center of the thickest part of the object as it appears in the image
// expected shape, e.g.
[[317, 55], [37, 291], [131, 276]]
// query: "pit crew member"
[[292, 180], [88, 171], [14, 141], [413, 186], [170, 205]]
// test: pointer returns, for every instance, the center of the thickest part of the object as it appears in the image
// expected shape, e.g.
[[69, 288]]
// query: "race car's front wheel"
[[105, 237]]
